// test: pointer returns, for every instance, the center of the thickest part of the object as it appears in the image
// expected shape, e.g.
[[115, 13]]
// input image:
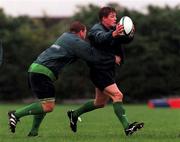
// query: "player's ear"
[[82, 34]]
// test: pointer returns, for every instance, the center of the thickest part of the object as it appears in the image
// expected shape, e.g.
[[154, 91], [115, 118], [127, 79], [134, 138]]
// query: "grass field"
[[161, 125]]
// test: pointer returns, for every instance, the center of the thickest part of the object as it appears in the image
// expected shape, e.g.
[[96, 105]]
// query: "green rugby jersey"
[[101, 38], [67, 49]]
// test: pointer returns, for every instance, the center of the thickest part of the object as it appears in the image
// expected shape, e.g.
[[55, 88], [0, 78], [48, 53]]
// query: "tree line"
[[151, 68]]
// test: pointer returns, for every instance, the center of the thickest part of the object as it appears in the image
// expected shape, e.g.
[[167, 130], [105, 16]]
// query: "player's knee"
[[117, 97], [48, 105]]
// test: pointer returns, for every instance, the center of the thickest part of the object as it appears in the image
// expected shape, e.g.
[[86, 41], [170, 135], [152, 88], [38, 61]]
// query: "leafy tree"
[[151, 67]]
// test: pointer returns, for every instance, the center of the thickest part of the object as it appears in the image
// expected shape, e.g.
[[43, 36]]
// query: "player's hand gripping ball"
[[128, 25]]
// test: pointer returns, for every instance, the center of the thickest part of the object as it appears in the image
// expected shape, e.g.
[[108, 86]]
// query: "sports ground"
[[161, 125]]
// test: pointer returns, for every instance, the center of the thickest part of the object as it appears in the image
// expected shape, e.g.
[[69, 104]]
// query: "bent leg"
[[99, 102], [42, 87], [115, 94], [48, 106], [43, 106]]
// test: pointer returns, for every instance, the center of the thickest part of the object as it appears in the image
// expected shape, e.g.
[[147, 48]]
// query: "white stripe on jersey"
[[55, 46]]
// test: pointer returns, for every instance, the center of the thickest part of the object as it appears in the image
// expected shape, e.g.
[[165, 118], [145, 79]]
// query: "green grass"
[[161, 125]]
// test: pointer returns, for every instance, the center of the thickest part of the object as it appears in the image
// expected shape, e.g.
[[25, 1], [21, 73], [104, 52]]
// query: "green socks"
[[89, 106], [118, 109], [36, 124], [32, 109], [120, 113]]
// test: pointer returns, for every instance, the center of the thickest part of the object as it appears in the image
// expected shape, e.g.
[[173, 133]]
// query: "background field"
[[161, 125]]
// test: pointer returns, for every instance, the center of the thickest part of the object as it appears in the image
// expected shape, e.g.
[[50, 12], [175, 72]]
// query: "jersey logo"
[[55, 46]]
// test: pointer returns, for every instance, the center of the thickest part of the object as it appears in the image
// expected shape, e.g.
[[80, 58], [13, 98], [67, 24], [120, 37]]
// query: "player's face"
[[110, 20]]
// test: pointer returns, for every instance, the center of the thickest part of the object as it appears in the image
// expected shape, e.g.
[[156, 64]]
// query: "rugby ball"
[[127, 23]]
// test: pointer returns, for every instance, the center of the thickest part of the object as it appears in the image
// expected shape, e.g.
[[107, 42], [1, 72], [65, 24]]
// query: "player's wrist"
[[114, 34]]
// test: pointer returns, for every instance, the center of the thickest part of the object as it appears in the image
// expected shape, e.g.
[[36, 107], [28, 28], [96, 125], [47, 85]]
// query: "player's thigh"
[[41, 86]]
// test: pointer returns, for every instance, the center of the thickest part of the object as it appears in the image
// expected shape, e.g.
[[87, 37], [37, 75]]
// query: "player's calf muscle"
[[99, 105]]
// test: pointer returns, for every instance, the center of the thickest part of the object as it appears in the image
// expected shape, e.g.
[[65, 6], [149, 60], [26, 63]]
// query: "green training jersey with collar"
[[67, 49], [101, 38]]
